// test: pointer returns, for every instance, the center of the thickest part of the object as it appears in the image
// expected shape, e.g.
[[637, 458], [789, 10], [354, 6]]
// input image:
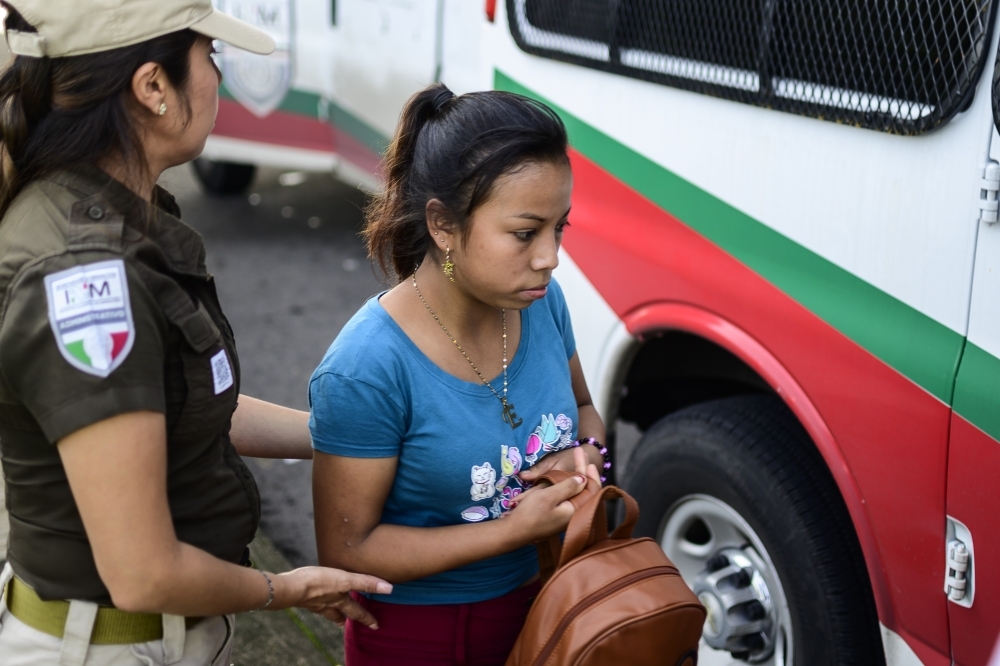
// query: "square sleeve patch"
[[222, 372], [91, 315]]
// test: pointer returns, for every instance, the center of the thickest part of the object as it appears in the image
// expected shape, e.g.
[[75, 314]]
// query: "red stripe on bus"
[[281, 128], [973, 479], [884, 437], [278, 128]]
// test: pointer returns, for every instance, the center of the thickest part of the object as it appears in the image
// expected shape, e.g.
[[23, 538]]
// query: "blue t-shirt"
[[376, 395]]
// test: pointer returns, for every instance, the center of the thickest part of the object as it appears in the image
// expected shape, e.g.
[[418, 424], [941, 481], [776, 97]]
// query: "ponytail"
[[452, 149], [61, 113], [393, 232], [25, 99]]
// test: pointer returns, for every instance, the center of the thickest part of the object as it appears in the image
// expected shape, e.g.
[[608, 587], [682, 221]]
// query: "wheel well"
[[667, 371], [673, 370]]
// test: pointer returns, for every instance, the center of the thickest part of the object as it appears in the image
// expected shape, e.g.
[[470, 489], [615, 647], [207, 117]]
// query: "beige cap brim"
[[234, 31]]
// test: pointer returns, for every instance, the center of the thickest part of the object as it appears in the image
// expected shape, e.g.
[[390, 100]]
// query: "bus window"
[[571, 28], [585, 19], [904, 68], [715, 42], [882, 66]]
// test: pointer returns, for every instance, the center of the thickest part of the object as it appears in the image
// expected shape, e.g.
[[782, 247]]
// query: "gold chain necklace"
[[509, 416]]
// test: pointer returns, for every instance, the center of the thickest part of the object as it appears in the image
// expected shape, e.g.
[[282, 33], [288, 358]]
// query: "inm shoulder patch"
[[91, 315]]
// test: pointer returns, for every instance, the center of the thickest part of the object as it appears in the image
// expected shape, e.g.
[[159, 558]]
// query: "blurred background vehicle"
[[329, 97]]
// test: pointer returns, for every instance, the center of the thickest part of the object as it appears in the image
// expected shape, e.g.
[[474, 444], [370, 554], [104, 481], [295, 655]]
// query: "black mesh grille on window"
[[900, 66]]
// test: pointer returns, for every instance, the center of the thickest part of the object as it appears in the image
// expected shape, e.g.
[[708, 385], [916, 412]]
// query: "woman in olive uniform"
[[120, 416]]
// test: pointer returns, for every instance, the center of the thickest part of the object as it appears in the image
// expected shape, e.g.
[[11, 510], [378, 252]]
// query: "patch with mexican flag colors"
[[91, 315]]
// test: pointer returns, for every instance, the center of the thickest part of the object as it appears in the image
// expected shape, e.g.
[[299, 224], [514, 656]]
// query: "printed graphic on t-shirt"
[[554, 433], [483, 478], [91, 315], [222, 373]]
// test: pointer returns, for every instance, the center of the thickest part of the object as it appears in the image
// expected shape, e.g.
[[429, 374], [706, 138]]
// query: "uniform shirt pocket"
[[197, 327]]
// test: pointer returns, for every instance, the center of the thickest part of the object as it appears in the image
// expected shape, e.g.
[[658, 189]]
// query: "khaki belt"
[[111, 627]]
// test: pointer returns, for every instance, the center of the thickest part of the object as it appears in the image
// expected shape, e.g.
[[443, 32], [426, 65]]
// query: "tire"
[[750, 456], [223, 178]]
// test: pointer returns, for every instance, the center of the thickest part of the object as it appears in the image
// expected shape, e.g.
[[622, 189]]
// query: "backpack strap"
[[550, 549], [548, 557], [590, 524]]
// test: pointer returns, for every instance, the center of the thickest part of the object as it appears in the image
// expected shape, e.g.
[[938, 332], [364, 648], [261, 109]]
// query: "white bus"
[[783, 268]]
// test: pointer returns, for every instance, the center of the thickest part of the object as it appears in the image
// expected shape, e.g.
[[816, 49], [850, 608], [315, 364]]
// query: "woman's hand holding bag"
[[607, 599], [546, 509]]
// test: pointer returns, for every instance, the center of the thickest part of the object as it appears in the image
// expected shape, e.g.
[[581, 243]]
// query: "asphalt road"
[[291, 270]]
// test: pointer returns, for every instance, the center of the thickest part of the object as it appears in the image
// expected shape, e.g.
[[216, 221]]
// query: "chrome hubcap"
[[741, 619], [721, 558]]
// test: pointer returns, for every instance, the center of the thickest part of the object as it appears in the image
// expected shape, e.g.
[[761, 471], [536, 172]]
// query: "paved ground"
[[291, 270], [289, 637]]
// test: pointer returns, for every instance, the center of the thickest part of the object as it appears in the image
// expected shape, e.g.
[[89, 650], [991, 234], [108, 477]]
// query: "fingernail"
[[580, 479], [383, 588], [375, 627]]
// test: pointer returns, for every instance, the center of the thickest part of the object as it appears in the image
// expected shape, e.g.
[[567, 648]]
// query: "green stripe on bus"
[[920, 348], [977, 390], [310, 104]]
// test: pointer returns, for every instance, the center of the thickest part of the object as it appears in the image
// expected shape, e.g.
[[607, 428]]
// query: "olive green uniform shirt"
[[106, 309]]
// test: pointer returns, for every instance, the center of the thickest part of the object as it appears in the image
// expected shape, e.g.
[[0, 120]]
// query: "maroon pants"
[[477, 634]]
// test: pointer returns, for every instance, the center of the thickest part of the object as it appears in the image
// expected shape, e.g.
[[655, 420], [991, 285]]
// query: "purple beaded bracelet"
[[604, 454]]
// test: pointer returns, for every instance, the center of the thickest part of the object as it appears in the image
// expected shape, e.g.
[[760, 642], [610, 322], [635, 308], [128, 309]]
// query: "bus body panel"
[[637, 255], [974, 454], [378, 53], [973, 479], [898, 212]]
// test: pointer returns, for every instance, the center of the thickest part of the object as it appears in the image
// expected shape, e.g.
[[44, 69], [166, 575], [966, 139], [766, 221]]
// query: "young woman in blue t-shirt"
[[445, 397]]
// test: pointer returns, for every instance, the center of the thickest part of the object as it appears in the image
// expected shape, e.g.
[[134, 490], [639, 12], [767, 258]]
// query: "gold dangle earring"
[[448, 266]]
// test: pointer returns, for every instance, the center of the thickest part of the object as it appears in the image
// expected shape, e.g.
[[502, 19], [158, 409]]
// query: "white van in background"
[[329, 97]]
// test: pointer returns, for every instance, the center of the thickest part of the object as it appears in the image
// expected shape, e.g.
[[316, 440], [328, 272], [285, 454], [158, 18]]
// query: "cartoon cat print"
[[483, 479]]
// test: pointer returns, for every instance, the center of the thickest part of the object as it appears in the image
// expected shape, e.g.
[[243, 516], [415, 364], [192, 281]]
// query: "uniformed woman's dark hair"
[[58, 113], [453, 149]]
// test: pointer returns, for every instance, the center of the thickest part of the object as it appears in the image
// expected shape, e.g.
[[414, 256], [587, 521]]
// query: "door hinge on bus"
[[989, 188], [959, 580]]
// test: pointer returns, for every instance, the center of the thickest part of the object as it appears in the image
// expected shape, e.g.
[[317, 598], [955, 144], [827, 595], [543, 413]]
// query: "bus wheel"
[[223, 178], [741, 501]]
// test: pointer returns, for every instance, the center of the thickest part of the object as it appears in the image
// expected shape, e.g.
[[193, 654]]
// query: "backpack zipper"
[[592, 598]]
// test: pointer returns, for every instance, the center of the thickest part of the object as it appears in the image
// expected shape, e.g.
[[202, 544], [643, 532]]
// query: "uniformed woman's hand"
[[325, 591]]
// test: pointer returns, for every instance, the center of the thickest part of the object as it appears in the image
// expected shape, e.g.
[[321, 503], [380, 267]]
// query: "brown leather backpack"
[[608, 600]]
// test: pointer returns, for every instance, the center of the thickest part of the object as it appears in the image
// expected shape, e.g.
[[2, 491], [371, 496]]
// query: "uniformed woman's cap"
[[76, 27]]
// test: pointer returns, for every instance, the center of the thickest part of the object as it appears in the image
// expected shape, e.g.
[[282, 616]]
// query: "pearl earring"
[[163, 109]]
